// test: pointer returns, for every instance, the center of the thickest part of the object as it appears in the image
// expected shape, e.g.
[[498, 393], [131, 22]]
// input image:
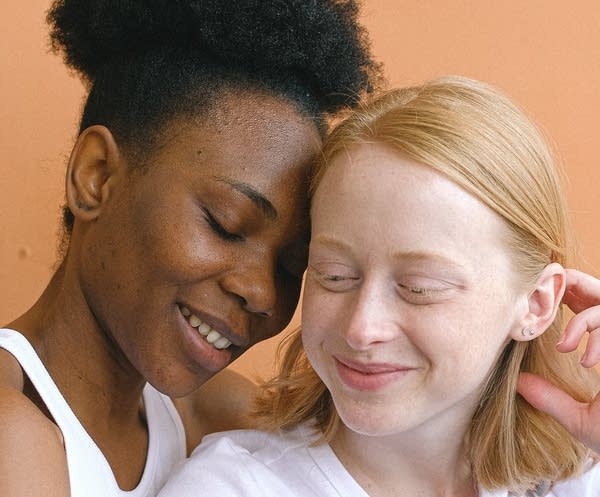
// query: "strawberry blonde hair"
[[474, 135]]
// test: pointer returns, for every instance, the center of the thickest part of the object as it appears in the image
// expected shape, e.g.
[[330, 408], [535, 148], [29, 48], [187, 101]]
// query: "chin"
[[366, 421], [181, 387], [367, 429], [378, 421]]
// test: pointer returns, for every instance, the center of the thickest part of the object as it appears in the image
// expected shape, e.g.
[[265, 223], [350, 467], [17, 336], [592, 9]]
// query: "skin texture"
[[215, 221], [581, 419], [406, 309], [27, 434], [205, 244], [222, 403]]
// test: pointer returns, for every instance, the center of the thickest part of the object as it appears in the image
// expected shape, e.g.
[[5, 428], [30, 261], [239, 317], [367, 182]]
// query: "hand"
[[582, 295], [582, 420]]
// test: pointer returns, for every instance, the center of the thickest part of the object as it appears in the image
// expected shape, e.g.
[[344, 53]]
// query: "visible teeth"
[[212, 336], [222, 343], [204, 329]]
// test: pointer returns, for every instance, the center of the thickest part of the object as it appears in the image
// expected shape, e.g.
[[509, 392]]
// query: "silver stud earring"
[[527, 332]]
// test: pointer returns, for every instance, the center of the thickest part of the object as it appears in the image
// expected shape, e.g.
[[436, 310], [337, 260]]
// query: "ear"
[[542, 302], [94, 162]]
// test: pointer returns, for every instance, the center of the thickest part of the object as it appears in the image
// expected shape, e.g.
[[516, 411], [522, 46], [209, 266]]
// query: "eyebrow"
[[424, 256], [412, 255], [257, 198]]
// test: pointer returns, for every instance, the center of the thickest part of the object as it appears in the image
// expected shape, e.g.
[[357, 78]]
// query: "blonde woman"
[[436, 273]]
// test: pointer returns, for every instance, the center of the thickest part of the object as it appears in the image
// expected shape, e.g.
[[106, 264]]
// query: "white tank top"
[[89, 472]]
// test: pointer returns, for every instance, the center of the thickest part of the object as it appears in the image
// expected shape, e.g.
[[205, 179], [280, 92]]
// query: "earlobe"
[[543, 302], [94, 162]]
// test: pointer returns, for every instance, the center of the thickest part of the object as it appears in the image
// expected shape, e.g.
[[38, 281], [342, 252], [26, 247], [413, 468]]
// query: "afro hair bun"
[[319, 40]]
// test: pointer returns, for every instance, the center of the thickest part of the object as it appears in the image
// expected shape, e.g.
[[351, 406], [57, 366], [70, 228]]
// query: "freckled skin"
[[406, 270]]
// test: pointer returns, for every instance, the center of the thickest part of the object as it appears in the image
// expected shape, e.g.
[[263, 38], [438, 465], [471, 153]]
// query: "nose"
[[253, 283], [372, 317]]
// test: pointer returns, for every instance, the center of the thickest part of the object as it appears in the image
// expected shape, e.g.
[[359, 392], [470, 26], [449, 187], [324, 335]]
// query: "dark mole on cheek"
[[199, 152]]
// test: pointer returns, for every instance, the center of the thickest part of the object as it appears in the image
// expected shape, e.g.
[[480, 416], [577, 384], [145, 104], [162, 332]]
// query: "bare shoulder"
[[222, 403], [32, 456], [11, 374]]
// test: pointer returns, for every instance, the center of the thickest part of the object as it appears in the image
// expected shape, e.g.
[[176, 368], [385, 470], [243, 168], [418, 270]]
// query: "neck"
[[433, 465], [100, 385], [95, 378]]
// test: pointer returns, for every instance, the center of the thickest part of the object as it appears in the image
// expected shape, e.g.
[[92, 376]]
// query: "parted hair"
[[148, 61], [474, 135]]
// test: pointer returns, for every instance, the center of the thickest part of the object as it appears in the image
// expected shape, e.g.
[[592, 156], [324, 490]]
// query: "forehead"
[[250, 113], [254, 136], [386, 202]]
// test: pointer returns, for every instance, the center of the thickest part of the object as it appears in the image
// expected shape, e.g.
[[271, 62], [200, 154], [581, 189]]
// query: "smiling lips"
[[368, 377], [211, 335]]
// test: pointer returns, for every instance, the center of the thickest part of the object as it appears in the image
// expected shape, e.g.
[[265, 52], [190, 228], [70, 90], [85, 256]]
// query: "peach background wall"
[[545, 53]]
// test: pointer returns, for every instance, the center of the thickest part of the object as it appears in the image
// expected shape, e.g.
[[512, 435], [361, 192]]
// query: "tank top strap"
[[167, 444], [89, 472], [88, 468]]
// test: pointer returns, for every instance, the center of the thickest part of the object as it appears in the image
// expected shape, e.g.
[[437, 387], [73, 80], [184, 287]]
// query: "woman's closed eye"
[[423, 294], [220, 230], [336, 277]]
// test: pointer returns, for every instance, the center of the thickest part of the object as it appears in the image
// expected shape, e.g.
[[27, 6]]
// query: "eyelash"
[[420, 294], [334, 282], [419, 290], [220, 230], [335, 277]]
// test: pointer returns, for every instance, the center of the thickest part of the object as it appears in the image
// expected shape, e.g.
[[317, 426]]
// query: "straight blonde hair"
[[474, 135]]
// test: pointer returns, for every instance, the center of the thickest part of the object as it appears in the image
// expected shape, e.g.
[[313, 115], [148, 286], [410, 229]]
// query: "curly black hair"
[[145, 58], [147, 61]]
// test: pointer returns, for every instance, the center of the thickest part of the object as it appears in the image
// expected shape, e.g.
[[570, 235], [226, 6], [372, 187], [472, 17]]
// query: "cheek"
[[468, 342], [313, 348], [311, 321], [109, 265], [311, 332], [173, 244], [161, 232], [321, 324], [319, 310], [471, 330]]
